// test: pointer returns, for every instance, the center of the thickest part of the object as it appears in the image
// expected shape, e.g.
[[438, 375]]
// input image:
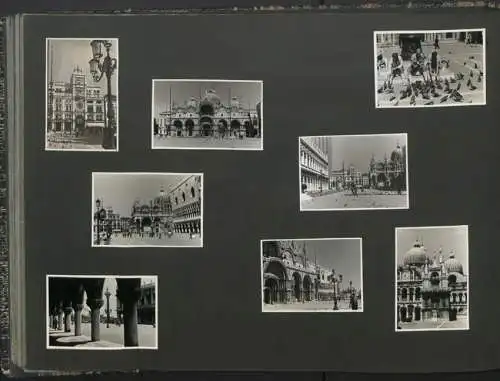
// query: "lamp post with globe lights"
[[102, 64], [99, 217], [335, 281], [107, 294]]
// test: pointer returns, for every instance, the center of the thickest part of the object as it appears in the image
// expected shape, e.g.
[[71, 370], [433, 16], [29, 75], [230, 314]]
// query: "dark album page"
[[282, 191]]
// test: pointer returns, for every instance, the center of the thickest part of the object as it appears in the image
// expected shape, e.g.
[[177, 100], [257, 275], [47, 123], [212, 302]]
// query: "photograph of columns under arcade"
[[102, 312], [207, 114], [312, 275], [82, 94], [430, 68], [147, 209], [353, 172], [432, 278]]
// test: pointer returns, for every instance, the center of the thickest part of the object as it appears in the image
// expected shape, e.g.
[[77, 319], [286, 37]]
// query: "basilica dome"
[[453, 265], [397, 154], [211, 97], [416, 256]]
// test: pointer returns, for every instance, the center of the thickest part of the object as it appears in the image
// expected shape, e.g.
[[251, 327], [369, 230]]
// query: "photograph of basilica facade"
[[147, 209], [82, 95], [207, 114], [353, 172], [432, 278], [102, 312], [312, 275]]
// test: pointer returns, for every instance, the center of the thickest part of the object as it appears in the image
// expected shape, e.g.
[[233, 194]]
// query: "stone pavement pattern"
[[209, 142], [346, 200]]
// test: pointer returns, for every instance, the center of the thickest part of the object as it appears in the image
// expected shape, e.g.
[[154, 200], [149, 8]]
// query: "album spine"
[[12, 313], [4, 251]]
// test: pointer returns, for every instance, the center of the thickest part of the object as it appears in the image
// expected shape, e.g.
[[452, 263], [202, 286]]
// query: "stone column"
[[129, 292], [93, 287], [95, 318], [67, 318], [78, 319]]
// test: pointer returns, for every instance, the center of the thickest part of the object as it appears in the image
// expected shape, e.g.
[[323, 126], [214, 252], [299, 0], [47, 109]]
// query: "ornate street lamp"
[[334, 281], [107, 294], [99, 217], [101, 65]]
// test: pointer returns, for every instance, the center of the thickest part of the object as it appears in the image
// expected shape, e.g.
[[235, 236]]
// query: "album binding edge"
[[4, 252]]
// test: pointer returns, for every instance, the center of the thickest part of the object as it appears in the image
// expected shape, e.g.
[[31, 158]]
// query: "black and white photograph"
[[82, 94], [96, 312], [141, 209], [432, 278], [207, 114], [353, 172], [312, 275], [430, 68]]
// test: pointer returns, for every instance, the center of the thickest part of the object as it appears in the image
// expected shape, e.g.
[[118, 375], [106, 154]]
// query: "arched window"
[[183, 196], [192, 192]]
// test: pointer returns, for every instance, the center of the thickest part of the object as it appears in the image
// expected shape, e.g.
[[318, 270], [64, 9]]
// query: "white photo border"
[[382, 32], [116, 41], [186, 174], [466, 227], [287, 311], [407, 207], [261, 148], [47, 308]]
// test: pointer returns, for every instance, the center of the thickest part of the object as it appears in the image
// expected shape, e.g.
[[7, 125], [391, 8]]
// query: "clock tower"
[[79, 88]]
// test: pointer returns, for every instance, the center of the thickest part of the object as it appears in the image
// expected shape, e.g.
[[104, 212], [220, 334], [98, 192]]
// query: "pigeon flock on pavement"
[[434, 90]]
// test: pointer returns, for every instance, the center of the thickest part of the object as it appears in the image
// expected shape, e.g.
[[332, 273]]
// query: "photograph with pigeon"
[[430, 68]]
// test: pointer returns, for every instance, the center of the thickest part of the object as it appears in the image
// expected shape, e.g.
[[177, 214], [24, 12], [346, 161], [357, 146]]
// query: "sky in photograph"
[[248, 93], [63, 56], [120, 191], [358, 150], [447, 238], [342, 255], [111, 285]]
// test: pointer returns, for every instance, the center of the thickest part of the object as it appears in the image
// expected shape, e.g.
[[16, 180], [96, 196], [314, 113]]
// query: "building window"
[[90, 108], [192, 192], [183, 196], [176, 201]]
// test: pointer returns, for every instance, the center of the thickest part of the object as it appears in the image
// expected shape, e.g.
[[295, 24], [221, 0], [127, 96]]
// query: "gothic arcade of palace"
[[136, 305], [77, 106], [177, 211], [289, 276], [430, 287], [208, 116]]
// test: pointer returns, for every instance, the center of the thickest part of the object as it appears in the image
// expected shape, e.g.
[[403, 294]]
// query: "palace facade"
[[77, 106], [430, 287], [208, 116], [178, 211], [313, 164], [289, 276]]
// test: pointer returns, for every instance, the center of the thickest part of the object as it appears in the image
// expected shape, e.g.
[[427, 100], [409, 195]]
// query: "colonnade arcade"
[[283, 285], [66, 297]]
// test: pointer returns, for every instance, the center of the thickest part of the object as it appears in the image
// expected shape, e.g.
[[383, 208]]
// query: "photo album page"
[[262, 191]]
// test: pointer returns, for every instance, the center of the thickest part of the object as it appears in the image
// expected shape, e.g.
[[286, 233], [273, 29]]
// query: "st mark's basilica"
[[430, 288], [209, 115]]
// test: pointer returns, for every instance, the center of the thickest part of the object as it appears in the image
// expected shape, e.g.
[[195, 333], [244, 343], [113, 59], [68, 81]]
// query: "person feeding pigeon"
[[418, 60], [434, 63], [396, 67], [381, 61]]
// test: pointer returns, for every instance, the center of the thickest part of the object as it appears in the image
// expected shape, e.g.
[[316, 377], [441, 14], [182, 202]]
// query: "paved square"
[[462, 59], [364, 200], [207, 143]]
